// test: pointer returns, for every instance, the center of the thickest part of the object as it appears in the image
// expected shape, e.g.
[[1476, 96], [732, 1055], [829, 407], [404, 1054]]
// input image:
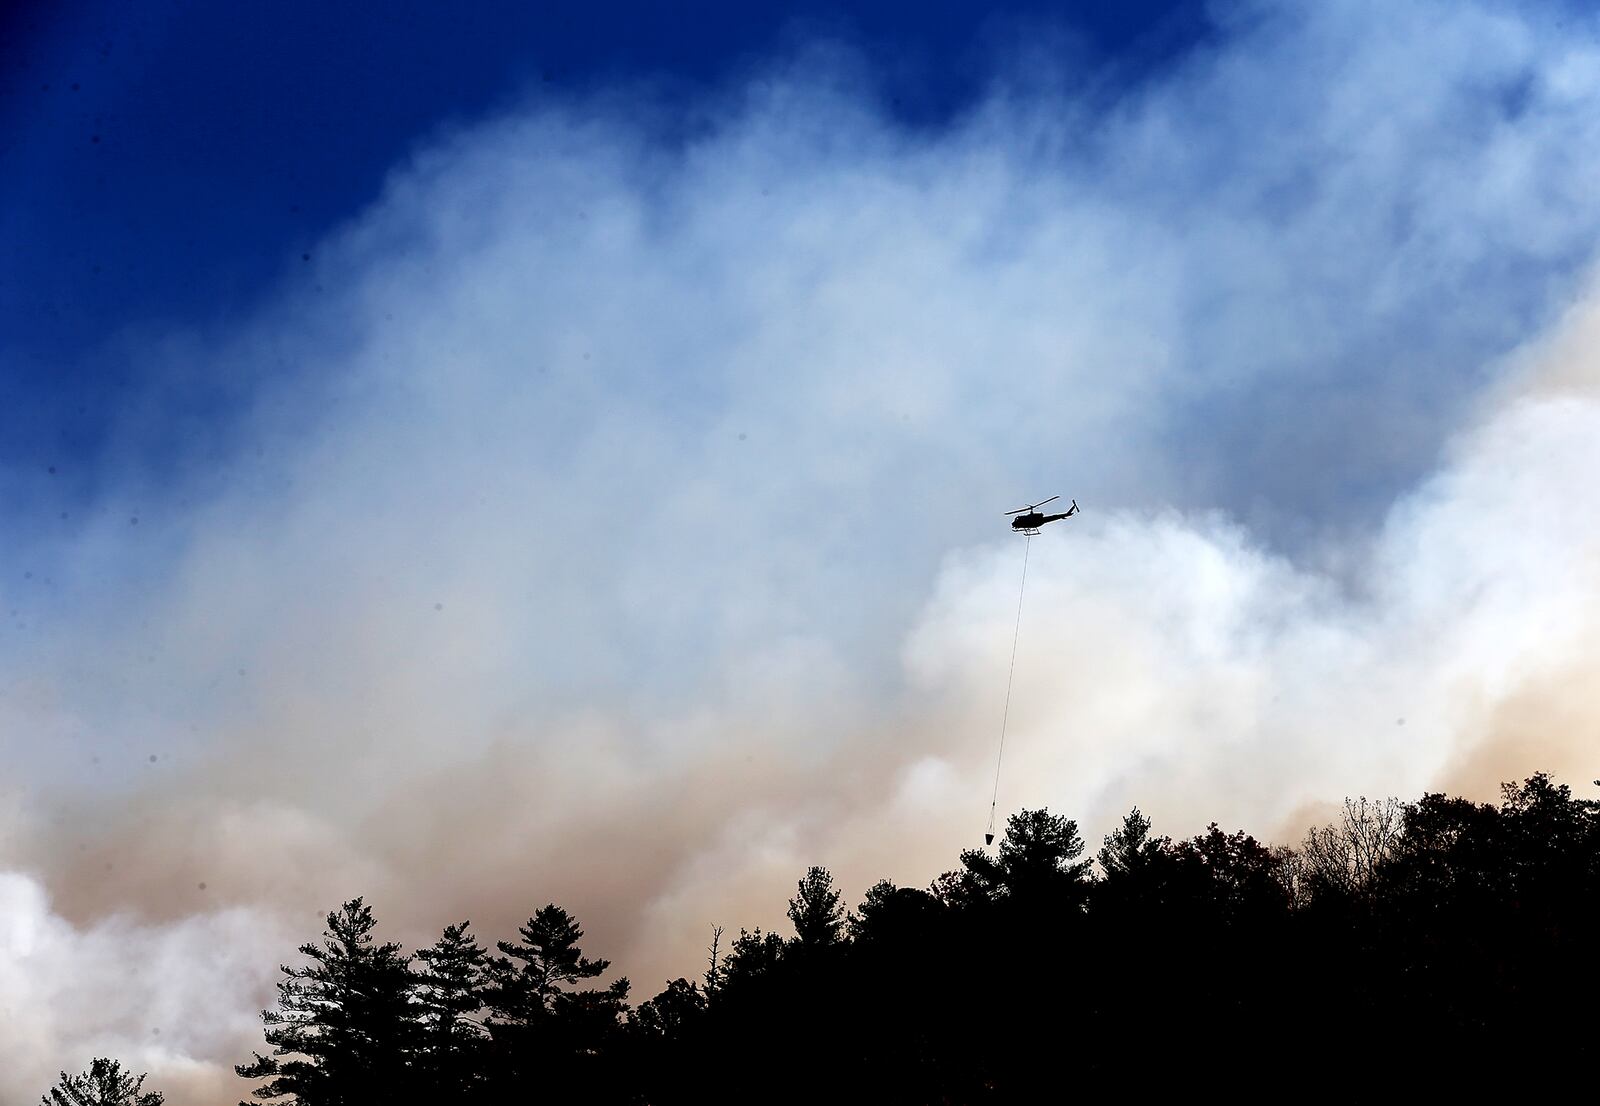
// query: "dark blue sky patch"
[[167, 160]]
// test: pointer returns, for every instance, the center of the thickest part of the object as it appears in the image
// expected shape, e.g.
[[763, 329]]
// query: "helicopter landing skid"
[[1032, 532]]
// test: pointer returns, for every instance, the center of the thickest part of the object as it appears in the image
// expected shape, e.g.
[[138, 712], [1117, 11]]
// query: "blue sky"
[[460, 474], [171, 168], [170, 163]]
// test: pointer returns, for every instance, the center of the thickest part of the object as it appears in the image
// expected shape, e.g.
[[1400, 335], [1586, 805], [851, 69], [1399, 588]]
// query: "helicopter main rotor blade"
[[1034, 506]]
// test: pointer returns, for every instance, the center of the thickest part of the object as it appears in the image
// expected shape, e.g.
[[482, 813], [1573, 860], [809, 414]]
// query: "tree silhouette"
[[1237, 877], [888, 913], [1342, 860], [547, 1032], [673, 1011], [104, 1084], [1137, 873], [547, 961], [667, 1043], [752, 956], [1037, 861], [713, 973], [343, 1030], [1477, 907], [815, 911], [1129, 848], [1438, 932], [449, 994]]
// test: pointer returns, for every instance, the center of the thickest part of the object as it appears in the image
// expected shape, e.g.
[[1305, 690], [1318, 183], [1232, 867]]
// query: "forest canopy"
[[1427, 936]]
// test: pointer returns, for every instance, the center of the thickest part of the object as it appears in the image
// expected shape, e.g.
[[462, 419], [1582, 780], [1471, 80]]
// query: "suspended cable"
[[1005, 715]]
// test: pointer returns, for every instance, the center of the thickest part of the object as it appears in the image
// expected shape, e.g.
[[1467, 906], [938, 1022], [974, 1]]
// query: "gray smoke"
[[619, 524]]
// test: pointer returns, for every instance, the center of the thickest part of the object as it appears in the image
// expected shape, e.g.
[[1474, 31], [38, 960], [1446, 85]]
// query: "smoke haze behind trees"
[[1433, 932]]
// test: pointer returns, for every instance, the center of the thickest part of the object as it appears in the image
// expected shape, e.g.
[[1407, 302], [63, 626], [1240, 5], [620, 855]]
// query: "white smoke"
[[618, 523], [171, 998]]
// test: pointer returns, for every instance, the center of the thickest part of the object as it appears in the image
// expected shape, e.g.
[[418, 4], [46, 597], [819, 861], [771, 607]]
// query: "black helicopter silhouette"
[[1029, 519]]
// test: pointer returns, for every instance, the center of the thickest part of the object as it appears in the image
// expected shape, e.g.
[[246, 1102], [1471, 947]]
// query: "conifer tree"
[[544, 1029], [548, 961], [1037, 860], [343, 1030], [1128, 848], [450, 998], [815, 911], [104, 1084]]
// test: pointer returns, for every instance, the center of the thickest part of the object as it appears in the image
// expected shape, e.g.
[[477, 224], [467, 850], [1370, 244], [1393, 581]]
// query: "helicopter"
[[1029, 519]]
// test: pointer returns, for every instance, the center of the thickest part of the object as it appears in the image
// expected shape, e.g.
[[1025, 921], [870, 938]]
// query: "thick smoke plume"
[[617, 522]]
